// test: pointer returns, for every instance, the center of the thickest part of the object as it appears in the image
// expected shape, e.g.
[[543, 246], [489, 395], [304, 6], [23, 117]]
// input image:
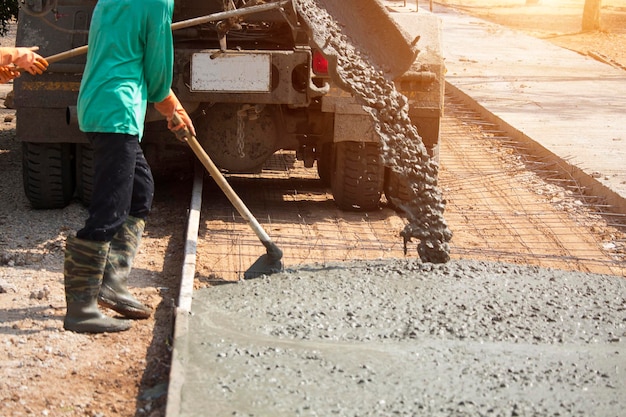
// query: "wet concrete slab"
[[404, 338], [561, 103]]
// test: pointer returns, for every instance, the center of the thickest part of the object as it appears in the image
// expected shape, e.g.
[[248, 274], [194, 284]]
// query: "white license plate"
[[230, 71]]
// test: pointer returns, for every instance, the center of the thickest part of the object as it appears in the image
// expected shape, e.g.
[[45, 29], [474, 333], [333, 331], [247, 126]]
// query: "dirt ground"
[[45, 371]]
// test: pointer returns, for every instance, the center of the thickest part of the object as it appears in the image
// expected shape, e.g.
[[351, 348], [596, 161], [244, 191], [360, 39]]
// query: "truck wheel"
[[357, 176], [48, 174], [84, 173], [324, 163], [395, 189]]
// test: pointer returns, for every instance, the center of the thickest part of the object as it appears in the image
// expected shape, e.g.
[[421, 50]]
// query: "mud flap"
[[369, 27]]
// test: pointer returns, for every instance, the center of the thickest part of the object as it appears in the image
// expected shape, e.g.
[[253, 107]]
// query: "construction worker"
[[129, 63], [11, 59]]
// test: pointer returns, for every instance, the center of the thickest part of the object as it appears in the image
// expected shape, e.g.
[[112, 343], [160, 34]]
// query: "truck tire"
[[48, 174], [358, 176], [324, 163], [395, 189], [84, 173]]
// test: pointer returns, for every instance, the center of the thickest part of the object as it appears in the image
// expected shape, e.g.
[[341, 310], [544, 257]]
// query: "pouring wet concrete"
[[400, 337], [402, 148]]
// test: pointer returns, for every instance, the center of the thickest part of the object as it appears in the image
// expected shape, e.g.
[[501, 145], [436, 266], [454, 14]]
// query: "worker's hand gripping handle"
[[183, 134], [21, 59], [169, 107]]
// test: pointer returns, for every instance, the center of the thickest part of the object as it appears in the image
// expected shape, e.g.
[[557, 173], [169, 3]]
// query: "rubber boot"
[[83, 269], [114, 294]]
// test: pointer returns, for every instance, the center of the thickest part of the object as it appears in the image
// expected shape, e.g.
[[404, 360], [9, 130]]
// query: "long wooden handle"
[[183, 134], [81, 50]]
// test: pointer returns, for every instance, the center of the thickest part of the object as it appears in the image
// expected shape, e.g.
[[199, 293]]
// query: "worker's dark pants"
[[122, 185]]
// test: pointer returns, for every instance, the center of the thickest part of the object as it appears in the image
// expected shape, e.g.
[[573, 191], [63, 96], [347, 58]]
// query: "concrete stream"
[[401, 337], [402, 148]]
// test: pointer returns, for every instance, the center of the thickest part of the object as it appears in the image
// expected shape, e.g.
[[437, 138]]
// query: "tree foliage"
[[8, 12]]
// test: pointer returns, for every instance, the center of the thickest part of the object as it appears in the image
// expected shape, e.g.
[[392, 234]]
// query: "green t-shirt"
[[129, 63]]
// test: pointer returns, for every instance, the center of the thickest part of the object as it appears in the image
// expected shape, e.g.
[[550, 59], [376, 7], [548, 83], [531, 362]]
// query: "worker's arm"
[[24, 58], [158, 53], [158, 65]]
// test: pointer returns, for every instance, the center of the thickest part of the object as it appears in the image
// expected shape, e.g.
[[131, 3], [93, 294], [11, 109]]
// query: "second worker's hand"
[[30, 61], [8, 73]]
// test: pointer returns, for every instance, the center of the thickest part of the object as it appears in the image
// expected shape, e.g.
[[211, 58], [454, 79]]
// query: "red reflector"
[[320, 64]]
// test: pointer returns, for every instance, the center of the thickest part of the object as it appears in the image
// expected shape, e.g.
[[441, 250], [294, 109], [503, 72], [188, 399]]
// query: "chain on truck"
[[254, 84]]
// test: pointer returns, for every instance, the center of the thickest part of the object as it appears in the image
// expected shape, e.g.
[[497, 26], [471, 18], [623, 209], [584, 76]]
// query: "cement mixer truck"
[[252, 76]]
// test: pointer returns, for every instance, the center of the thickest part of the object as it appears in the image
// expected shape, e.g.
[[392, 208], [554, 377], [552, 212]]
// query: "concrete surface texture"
[[570, 105], [395, 337]]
